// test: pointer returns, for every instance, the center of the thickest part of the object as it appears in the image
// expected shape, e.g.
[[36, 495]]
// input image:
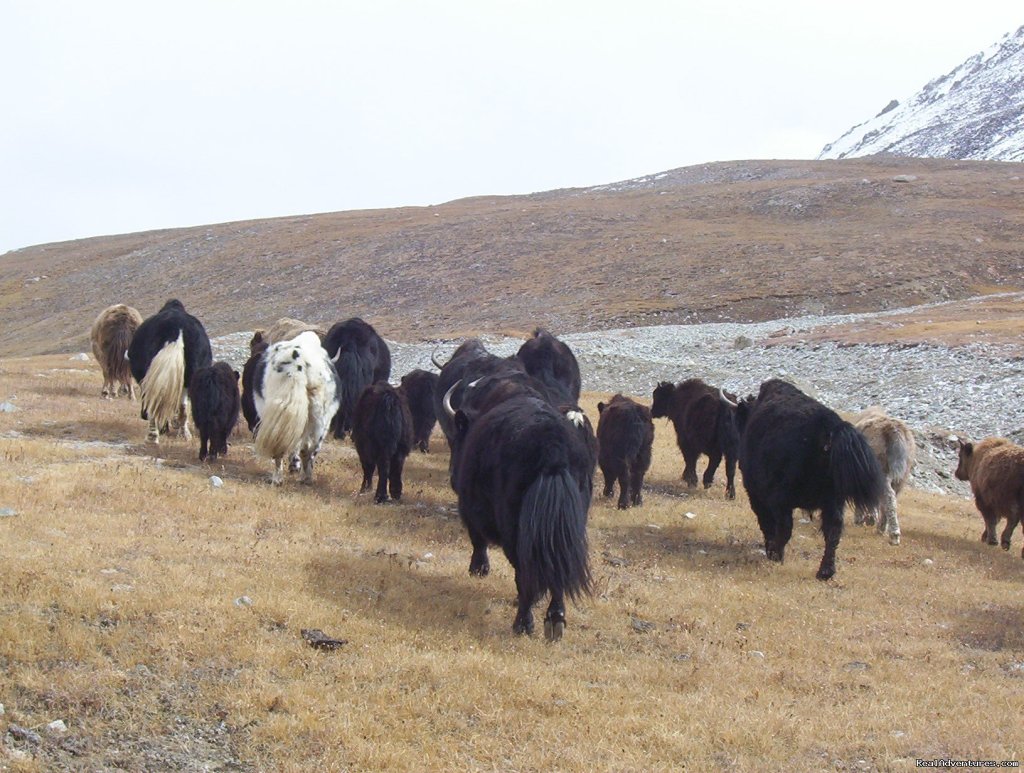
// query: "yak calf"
[[382, 434], [995, 469], [625, 434]]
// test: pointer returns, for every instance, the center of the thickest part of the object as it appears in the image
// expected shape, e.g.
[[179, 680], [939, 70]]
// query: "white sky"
[[125, 116]]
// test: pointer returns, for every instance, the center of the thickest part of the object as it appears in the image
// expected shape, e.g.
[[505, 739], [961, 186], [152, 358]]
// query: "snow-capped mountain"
[[976, 111]]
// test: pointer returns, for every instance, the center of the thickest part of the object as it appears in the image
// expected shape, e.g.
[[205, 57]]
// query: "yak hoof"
[[379, 500], [730, 493], [1004, 545], [480, 570], [894, 539], [774, 554], [524, 626], [553, 630], [826, 572]]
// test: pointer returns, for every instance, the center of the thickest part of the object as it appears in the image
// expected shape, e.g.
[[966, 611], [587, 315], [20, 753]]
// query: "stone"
[[8, 407], [57, 726], [243, 601], [216, 481]]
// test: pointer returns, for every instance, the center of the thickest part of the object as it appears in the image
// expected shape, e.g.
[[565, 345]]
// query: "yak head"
[[964, 462], [661, 404]]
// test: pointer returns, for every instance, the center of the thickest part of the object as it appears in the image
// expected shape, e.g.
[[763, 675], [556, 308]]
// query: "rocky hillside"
[[973, 112], [737, 241]]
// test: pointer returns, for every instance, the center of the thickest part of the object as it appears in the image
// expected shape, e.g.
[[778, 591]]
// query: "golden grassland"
[[122, 568]]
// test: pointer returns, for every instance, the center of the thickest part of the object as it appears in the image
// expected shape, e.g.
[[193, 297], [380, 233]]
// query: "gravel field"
[[974, 391]]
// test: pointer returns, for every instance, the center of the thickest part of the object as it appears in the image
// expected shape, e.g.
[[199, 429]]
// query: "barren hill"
[[738, 241]]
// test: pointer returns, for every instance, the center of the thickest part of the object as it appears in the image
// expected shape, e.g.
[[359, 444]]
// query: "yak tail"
[[280, 429], [163, 386], [552, 544], [856, 473], [728, 432], [115, 363], [353, 376], [898, 455]]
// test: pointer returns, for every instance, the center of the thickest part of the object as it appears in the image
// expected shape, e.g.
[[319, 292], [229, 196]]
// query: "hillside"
[[736, 241], [974, 111]]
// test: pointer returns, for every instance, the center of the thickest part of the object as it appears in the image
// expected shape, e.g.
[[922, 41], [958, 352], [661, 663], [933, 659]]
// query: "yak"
[[468, 363], [704, 424], [296, 396], [550, 360], [995, 469], [257, 346], [361, 357], [382, 434], [625, 434], [111, 335], [795, 452], [893, 444], [213, 394], [165, 351], [524, 484], [419, 386]]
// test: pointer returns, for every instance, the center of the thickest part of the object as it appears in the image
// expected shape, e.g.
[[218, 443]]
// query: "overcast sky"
[[127, 116]]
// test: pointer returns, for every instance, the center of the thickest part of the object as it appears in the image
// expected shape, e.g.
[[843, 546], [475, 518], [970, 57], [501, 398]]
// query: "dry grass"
[[121, 570]]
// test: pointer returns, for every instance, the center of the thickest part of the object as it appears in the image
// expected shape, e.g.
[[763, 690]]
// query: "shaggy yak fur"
[[111, 335], [893, 444], [418, 386], [625, 434], [361, 358], [704, 424], [550, 360], [995, 469], [257, 346], [296, 397], [382, 434], [164, 353], [795, 452], [524, 483], [213, 393]]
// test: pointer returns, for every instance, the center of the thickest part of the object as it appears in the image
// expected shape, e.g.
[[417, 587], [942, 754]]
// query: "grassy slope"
[[120, 572], [739, 240]]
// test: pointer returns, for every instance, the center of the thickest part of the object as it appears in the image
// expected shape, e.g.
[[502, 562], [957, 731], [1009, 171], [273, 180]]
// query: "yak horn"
[[433, 359], [336, 357], [447, 402], [726, 400]]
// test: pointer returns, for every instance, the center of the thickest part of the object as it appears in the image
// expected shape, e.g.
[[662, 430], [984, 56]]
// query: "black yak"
[[550, 360], [213, 393], [361, 357], [524, 483], [257, 346], [795, 452], [111, 334], [164, 353], [382, 434], [419, 386], [995, 469], [625, 434], [704, 424]]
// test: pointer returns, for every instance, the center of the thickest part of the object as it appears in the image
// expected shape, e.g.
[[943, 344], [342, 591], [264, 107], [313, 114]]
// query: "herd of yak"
[[523, 454]]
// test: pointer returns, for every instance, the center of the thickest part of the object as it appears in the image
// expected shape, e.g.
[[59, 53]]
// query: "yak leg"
[[395, 477], [609, 481], [277, 476], [383, 471], [888, 523], [154, 432], [783, 531], [524, 615], [183, 420], [479, 563], [623, 487], [636, 484], [1012, 519], [204, 441], [730, 477], [714, 459], [306, 457], [832, 528], [368, 467], [991, 519], [766, 520], [690, 468], [554, 619]]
